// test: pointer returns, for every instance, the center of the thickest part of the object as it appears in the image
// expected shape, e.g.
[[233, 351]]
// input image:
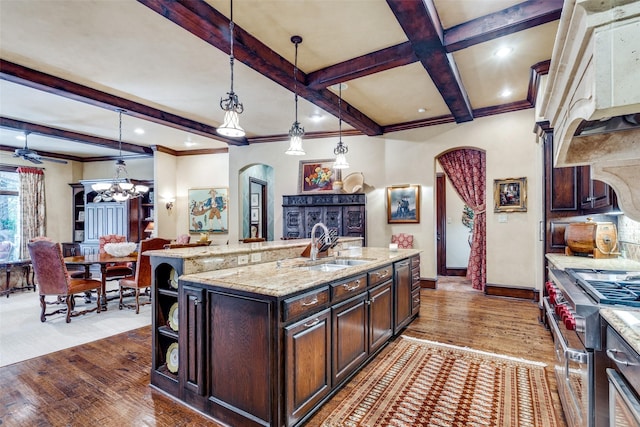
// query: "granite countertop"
[[289, 276], [626, 321], [205, 251], [563, 262]]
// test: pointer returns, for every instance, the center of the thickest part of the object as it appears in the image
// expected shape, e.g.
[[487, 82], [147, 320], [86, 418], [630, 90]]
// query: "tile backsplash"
[[629, 238]]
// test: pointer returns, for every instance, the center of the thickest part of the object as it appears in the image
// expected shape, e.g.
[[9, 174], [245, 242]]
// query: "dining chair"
[[142, 278], [53, 279], [117, 270], [183, 239]]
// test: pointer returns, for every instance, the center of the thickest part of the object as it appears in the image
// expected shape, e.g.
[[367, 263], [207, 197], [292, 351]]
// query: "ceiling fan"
[[28, 154]]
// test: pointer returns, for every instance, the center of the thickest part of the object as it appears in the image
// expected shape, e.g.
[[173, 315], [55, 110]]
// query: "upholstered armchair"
[[142, 279], [53, 279], [116, 270]]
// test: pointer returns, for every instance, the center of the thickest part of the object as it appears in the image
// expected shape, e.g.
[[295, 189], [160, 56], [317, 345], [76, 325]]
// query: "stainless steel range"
[[572, 302]]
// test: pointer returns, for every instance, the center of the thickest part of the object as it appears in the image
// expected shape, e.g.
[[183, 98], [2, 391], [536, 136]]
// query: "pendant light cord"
[[231, 25], [120, 134], [295, 81]]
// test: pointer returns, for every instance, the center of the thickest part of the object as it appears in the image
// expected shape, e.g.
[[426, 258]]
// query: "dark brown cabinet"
[[570, 194], [307, 364], [403, 302], [345, 213], [258, 360], [350, 336]]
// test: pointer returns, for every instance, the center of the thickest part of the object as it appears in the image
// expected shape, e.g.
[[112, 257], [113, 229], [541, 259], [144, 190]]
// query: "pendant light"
[[296, 132], [120, 188], [341, 149], [231, 106]]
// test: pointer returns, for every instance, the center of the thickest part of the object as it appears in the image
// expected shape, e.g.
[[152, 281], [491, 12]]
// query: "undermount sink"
[[337, 264], [349, 262], [327, 267]]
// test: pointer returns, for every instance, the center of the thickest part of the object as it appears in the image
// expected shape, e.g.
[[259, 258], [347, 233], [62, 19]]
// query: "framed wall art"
[[208, 210], [403, 204], [315, 176], [255, 200], [510, 195]]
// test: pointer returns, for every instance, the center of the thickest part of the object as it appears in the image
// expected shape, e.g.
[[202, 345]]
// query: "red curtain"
[[466, 170]]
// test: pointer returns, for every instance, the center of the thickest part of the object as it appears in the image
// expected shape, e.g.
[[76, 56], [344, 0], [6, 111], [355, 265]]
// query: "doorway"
[[442, 218], [258, 212]]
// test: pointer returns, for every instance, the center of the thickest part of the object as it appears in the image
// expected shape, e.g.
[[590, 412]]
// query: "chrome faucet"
[[314, 243]]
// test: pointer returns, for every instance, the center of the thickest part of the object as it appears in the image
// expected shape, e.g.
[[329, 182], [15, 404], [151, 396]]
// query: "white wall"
[[408, 157]]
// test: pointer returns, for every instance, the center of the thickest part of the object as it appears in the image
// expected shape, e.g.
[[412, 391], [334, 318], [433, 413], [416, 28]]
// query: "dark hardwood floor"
[[106, 383]]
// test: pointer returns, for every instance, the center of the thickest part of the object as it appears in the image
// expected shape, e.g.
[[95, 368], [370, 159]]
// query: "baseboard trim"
[[460, 272], [507, 291], [428, 283]]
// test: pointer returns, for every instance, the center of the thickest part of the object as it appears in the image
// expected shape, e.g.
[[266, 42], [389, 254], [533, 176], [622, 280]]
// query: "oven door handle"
[[578, 356]]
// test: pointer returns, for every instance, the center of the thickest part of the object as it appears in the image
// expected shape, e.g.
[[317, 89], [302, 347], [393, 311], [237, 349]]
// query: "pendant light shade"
[[296, 132], [120, 188], [341, 149], [230, 105]]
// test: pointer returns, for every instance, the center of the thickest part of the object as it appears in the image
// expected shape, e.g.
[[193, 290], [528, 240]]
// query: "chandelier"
[[230, 105], [120, 188], [341, 149], [296, 132]]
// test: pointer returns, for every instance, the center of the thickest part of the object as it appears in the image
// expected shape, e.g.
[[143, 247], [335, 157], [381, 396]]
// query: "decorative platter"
[[173, 279], [172, 358], [173, 317]]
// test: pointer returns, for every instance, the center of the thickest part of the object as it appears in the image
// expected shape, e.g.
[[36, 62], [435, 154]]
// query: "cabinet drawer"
[[626, 360], [415, 278], [415, 262], [415, 301], [342, 290], [305, 303], [380, 275]]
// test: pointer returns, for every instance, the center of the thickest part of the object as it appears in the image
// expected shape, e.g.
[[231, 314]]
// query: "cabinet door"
[[192, 333], [403, 302], [332, 218], [293, 222], [380, 315], [312, 216], [353, 221], [307, 364], [104, 218], [595, 196], [350, 336]]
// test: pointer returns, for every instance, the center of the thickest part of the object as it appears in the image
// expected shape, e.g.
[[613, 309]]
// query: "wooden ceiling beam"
[[205, 22], [371, 63], [8, 123], [422, 27], [516, 18], [46, 82]]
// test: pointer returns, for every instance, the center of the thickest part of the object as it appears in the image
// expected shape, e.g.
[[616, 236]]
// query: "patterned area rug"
[[423, 383]]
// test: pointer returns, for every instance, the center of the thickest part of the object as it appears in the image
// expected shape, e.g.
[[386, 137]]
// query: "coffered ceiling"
[[67, 66]]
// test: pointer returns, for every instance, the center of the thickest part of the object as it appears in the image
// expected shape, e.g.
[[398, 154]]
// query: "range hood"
[[592, 98]]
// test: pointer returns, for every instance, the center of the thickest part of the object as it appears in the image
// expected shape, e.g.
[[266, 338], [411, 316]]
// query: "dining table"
[[27, 281], [103, 260]]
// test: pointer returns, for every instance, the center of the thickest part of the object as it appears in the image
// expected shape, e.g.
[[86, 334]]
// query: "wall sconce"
[[169, 205]]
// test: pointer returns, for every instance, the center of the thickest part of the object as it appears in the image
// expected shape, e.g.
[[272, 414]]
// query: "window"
[[9, 213]]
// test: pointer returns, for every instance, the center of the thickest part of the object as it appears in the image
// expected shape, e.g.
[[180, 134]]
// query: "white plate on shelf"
[[173, 279], [172, 358], [173, 317]]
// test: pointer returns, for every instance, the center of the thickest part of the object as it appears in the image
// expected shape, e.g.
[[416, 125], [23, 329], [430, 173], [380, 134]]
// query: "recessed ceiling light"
[[503, 51], [422, 110], [316, 117], [189, 142], [339, 86], [139, 131], [20, 137], [506, 93]]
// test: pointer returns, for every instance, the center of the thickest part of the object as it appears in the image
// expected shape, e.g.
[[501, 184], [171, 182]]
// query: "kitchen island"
[[267, 343]]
